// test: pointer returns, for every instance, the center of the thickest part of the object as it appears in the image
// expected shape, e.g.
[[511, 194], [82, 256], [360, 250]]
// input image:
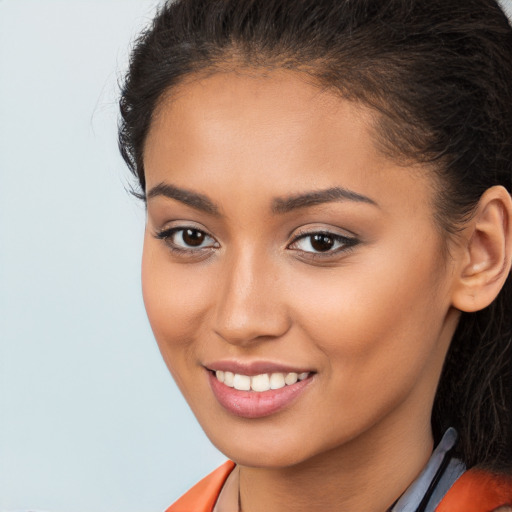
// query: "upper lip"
[[252, 368]]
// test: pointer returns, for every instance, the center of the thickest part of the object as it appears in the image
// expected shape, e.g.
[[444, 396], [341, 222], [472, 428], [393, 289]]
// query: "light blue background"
[[90, 420]]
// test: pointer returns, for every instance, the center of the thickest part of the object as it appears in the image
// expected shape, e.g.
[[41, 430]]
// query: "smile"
[[258, 390], [259, 383]]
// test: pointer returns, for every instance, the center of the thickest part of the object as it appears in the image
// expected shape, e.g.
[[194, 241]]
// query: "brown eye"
[[193, 237], [321, 242], [187, 239]]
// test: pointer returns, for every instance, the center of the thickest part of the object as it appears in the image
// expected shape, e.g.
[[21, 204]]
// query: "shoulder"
[[478, 491], [202, 497], [474, 491]]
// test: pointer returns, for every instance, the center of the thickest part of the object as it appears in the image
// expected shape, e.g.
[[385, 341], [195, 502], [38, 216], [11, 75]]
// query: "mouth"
[[245, 393]]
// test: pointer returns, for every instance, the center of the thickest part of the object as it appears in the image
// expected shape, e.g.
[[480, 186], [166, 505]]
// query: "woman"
[[328, 246]]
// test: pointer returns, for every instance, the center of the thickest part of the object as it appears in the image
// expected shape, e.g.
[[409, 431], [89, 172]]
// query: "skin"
[[374, 320]]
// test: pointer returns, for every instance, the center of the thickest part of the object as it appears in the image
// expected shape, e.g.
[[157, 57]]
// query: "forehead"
[[253, 87], [280, 106], [277, 131]]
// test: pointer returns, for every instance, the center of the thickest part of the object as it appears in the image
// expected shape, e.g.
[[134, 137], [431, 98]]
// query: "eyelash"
[[347, 243]]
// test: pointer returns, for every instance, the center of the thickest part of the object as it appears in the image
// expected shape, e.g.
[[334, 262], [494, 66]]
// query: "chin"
[[263, 456], [266, 444]]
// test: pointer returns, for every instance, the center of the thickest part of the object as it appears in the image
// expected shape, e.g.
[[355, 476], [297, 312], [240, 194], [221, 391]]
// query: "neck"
[[368, 474]]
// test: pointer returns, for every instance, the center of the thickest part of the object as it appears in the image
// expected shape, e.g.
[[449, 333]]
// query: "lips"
[[257, 389]]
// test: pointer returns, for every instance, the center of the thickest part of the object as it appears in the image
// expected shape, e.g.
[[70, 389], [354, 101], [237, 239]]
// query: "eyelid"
[[313, 229], [171, 226]]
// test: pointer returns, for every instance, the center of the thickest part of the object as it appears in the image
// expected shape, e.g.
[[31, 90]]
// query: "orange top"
[[474, 491], [202, 497], [477, 491]]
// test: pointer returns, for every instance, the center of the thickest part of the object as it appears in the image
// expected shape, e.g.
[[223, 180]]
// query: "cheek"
[[175, 301], [378, 321]]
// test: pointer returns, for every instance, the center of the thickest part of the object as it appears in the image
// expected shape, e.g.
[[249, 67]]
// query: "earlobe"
[[486, 255]]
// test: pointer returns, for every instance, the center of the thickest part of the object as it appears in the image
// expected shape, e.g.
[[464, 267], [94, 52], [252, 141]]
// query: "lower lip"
[[253, 404]]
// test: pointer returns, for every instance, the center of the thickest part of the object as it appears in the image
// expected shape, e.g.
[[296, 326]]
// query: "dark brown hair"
[[439, 74]]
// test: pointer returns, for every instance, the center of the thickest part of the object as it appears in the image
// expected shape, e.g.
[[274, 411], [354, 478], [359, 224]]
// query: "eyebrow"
[[193, 199], [280, 205], [287, 204]]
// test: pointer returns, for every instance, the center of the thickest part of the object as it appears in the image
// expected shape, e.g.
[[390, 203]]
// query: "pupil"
[[322, 243], [193, 237]]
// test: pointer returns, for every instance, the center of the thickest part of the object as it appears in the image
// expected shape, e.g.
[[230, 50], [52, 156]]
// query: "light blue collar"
[[440, 473]]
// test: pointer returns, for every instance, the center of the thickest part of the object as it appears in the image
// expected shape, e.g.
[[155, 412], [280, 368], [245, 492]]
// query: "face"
[[283, 252]]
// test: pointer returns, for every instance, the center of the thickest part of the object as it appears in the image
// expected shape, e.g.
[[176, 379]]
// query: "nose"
[[250, 305]]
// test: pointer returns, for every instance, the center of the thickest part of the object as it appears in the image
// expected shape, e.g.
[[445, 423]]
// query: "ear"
[[485, 255]]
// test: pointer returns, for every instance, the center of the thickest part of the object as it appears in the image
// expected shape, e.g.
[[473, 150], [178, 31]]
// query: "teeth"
[[277, 381], [228, 379], [290, 379], [259, 383], [242, 382]]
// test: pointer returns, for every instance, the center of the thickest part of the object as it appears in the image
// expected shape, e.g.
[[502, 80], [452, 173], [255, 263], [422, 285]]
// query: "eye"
[[190, 238], [325, 242], [187, 239]]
